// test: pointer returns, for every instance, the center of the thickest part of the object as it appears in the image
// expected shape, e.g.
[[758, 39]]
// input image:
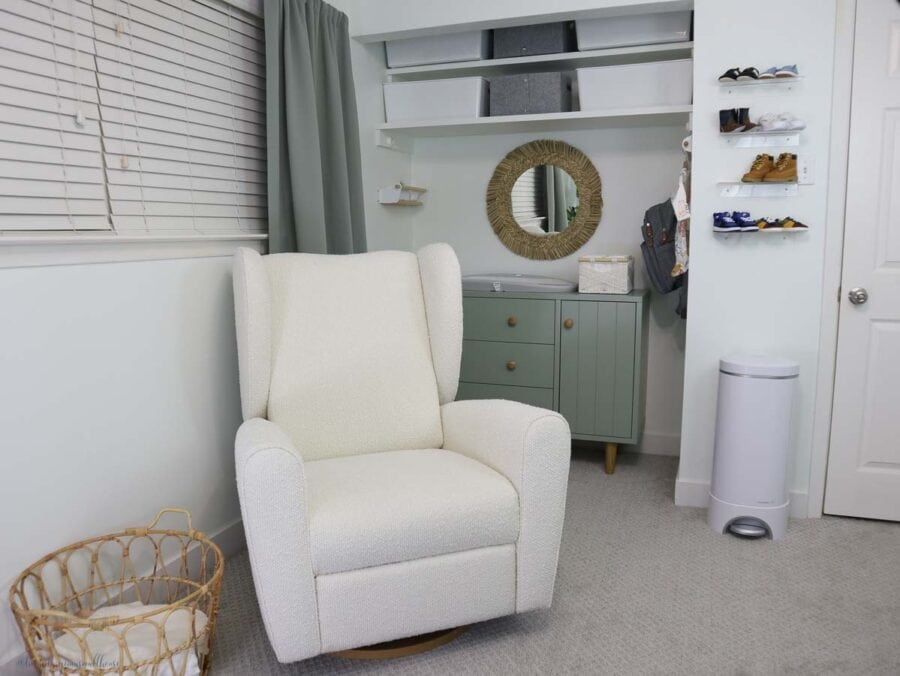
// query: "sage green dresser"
[[582, 354]]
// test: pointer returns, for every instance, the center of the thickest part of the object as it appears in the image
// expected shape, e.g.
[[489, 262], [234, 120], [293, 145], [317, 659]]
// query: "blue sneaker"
[[744, 222], [787, 71], [768, 74], [723, 222]]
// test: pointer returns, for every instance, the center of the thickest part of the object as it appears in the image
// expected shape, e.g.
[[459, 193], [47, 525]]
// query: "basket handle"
[[172, 509]]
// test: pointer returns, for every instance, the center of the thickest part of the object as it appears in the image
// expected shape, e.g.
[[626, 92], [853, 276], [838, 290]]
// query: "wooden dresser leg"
[[611, 450]]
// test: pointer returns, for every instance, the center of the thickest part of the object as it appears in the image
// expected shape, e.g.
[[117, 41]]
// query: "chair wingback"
[[349, 354]]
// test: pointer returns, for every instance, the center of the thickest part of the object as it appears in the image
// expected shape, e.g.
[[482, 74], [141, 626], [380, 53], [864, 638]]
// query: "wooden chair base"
[[403, 647]]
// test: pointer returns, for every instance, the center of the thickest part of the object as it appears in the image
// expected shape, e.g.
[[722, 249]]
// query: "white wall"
[[118, 396], [755, 293], [638, 168], [386, 227]]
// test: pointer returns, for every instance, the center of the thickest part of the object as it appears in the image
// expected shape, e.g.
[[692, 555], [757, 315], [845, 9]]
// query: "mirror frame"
[[590, 200]]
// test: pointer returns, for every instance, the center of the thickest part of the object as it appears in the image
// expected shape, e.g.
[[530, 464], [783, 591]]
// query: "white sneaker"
[[772, 122], [793, 123]]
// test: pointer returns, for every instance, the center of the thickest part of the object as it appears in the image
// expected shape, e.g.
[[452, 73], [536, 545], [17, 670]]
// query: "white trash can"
[[748, 494]]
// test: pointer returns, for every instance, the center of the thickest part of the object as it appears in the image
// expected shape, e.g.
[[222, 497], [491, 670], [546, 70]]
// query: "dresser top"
[[636, 296]]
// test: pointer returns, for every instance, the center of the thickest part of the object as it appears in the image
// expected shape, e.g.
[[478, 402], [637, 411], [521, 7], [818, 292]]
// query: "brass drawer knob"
[[569, 323], [512, 321], [511, 365]]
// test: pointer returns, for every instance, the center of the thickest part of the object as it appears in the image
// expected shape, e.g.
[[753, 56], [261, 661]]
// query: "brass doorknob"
[[511, 365], [512, 321], [569, 323]]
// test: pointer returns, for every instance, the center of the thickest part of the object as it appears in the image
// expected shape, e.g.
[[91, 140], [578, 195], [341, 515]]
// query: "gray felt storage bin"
[[545, 38], [531, 93]]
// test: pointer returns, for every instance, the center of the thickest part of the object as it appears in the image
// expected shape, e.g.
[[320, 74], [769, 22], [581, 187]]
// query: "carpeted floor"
[[646, 588]]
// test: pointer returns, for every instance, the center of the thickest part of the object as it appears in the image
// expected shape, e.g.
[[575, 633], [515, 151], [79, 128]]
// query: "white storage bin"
[[470, 46], [637, 85], [605, 274], [635, 29], [455, 98]]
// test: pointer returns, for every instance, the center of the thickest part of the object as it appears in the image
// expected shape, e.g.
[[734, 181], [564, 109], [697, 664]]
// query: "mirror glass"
[[544, 200]]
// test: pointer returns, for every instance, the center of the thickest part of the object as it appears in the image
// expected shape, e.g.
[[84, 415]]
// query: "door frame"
[[837, 175]]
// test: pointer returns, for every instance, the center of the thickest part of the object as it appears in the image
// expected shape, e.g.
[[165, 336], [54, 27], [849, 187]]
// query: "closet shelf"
[[656, 116], [545, 62]]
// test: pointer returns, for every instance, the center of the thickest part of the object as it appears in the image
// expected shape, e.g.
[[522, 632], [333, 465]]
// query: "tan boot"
[[762, 165], [785, 170]]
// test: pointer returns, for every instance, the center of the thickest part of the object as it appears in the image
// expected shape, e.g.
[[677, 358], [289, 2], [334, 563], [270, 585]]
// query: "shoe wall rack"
[[762, 140]]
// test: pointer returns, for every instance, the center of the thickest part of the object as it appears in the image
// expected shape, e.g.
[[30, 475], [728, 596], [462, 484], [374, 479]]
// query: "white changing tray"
[[516, 282]]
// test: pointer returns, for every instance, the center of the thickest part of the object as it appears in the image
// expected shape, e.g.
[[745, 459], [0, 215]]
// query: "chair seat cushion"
[[378, 508]]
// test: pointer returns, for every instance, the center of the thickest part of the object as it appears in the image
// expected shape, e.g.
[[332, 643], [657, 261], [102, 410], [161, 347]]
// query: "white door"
[[864, 460]]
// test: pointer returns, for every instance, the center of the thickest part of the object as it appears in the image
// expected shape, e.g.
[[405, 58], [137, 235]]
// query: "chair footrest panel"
[[363, 607]]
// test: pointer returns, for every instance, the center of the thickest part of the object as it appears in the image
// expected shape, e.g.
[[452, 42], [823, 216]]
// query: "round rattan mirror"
[[544, 200]]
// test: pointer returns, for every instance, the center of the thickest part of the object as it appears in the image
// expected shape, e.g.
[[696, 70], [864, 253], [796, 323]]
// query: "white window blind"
[[526, 197], [51, 166], [175, 107]]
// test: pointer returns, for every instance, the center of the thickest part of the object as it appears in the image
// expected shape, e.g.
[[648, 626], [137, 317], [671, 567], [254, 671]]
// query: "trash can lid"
[[760, 366]]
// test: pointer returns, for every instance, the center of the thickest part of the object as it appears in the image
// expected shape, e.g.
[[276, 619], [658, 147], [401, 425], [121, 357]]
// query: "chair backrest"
[[350, 354]]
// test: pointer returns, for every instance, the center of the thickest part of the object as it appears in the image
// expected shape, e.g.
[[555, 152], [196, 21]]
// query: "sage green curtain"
[[561, 196], [315, 195]]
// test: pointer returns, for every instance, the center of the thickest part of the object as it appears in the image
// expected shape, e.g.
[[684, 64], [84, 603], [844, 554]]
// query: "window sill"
[[18, 251]]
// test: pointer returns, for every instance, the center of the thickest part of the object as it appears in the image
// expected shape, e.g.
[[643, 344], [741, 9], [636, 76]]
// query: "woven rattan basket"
[[70, 604]]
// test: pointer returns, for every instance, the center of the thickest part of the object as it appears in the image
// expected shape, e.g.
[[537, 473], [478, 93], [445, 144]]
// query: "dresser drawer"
[[521, 364], [514, 320], [535, 396]]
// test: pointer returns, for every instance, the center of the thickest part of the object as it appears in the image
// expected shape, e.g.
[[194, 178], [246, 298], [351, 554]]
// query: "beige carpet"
[[646, 588]]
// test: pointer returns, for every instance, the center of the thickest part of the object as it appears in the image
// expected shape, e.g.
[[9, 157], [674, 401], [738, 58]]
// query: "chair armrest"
[[272, 491], [531, 447]]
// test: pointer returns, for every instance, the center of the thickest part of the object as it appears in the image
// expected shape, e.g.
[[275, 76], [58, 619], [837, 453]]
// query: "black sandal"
[[730, 75]]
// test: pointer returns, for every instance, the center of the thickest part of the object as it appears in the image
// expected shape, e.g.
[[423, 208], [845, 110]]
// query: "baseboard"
[[690, 493], [660, 443], [230, 538], [13, 661]]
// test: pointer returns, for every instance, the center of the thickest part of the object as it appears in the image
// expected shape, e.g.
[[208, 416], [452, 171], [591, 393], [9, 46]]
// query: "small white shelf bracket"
[[401, 195], [396, 141]]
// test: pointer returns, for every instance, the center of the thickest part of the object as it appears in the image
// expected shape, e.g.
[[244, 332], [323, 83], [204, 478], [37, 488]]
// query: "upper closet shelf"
[[657, 116], [545, 62]]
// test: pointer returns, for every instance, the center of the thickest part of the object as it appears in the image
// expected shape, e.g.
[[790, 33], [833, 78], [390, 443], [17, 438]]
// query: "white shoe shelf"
[[739, 189], [761, 139], [774, 85], [764, 231]]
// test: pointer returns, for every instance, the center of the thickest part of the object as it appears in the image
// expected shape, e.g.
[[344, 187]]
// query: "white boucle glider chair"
[[375, 506]]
